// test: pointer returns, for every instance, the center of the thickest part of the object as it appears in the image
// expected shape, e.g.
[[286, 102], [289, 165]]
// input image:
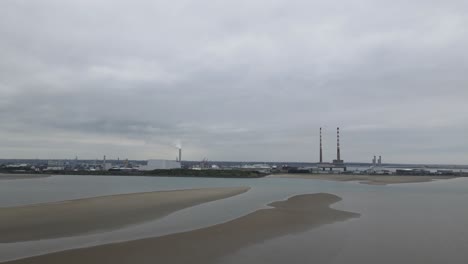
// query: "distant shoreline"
[[20, 176], [154, 173], [363, 178]]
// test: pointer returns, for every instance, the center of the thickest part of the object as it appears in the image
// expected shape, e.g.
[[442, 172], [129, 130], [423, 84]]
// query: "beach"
[[208, 245], [91, 215], [365, 179]]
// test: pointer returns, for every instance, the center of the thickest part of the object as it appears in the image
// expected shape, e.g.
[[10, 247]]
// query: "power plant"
[[377, 163], [180, 155], [321, 154], [337, 163], [338, 156]]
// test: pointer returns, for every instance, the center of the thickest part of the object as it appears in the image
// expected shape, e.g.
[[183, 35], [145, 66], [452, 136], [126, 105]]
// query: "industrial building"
[[157, 164], [377, 163], [414, 172]]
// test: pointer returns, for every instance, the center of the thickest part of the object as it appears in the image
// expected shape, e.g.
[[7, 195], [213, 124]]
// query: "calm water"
[[406, 223]]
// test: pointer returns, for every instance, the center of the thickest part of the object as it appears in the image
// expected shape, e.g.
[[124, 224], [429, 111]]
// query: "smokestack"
[[338, 144], [180, 155], [374, 160], [380, 160], [321, 156]]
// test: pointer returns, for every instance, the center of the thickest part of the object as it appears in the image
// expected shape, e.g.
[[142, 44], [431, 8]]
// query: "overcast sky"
[[235, 80]]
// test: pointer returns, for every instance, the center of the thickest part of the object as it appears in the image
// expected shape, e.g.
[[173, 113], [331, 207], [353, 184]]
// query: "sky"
[[241, 80]]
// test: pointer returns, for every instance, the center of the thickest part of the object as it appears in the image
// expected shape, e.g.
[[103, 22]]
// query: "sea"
[[399, 223]]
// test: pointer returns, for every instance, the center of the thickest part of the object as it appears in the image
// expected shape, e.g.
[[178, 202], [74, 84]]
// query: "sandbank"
[[91, 215], [209, 245], [365, 179]]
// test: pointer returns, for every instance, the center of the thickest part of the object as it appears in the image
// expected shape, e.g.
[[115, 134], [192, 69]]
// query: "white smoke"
[[177, 144]]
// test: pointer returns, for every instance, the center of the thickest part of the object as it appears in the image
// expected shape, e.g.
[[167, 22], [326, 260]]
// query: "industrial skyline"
[[335, 158]]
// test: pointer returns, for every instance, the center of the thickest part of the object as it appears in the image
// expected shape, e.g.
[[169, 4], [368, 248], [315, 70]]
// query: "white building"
[[106, 166], [160, 165], [55, 168]]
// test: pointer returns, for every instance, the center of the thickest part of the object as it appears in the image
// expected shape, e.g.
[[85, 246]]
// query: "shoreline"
[[99, 214], [221, 173], [208, 245], [365, 179], [21, 176]]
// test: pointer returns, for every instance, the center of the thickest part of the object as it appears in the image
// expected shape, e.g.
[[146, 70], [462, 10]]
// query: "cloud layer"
[[234, 80]]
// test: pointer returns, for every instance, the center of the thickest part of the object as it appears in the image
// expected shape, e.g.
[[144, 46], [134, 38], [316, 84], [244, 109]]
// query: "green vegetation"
[[205, 173], [162, 173]]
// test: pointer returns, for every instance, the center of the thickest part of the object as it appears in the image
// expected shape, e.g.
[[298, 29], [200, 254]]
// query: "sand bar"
[[91, 215], [365, 179], [208, 245]]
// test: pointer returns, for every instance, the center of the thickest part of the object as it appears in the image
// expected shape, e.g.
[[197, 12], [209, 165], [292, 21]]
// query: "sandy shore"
[[208, 245], [8, 176], [365, 179], [91, 215]]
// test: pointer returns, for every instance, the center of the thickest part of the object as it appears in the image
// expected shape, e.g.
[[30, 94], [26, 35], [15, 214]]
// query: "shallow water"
[[404, 223], [410, 223]]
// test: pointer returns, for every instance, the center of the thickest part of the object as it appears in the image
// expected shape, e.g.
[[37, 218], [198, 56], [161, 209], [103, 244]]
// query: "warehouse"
[[157, 164]]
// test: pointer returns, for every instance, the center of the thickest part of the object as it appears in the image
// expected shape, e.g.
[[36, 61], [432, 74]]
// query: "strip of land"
[[220, 173], [15, 176], [208, 245], [365, 179], [90, 215]]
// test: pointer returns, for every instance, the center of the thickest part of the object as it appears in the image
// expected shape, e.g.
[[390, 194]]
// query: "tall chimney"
[[180, 155], [338, 144], [321, 156], [380, 160]]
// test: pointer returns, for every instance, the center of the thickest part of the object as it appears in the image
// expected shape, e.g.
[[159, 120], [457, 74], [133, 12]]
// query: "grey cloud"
[[234, 80]]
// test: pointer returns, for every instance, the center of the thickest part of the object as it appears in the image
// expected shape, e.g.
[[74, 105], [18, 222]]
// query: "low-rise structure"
[[156, 164]]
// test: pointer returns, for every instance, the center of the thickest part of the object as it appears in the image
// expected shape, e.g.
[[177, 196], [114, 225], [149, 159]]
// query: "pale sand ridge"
[[82, 216], [208, 245], [365, 179]]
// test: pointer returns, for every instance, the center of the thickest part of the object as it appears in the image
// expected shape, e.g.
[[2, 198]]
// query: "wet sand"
[[8, 176], [209, 245], [91, 215], [365, 179]]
